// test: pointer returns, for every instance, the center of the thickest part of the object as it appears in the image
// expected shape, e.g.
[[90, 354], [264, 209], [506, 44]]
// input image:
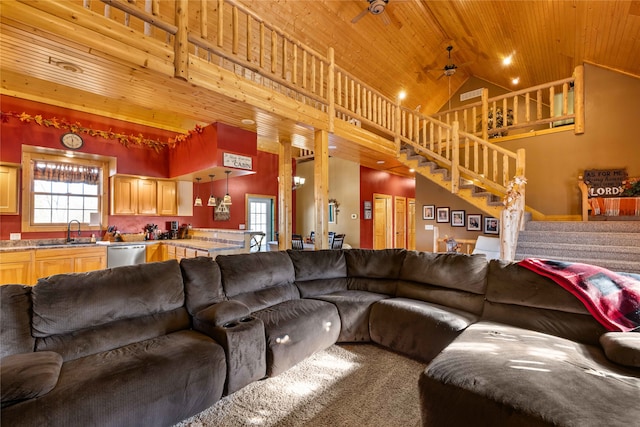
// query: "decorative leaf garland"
[[123, 139]]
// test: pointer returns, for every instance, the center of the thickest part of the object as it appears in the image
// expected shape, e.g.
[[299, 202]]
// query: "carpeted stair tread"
[[572, 237], [539, 249], [585, 226]]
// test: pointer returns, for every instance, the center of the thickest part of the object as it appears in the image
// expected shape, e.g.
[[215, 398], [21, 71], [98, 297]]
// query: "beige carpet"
[[355, 385]]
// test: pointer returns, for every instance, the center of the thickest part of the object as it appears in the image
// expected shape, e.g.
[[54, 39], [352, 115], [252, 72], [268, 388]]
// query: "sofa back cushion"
[[374, 270], [259, 280], [15, 320], [66, 303], [202, 283], [319, 272], [520, 297], [453, 280]]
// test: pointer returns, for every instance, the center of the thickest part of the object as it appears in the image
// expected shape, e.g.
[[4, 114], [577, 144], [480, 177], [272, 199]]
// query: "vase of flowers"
[[631, 187]]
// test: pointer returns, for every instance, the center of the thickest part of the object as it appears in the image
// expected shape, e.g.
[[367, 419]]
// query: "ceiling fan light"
[[376, 7]]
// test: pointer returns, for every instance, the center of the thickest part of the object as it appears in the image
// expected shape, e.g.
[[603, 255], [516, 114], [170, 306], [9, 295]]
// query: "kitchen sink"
[[65, 243]]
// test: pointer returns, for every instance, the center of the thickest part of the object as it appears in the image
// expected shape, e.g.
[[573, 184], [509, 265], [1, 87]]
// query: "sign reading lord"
[[605, 183]]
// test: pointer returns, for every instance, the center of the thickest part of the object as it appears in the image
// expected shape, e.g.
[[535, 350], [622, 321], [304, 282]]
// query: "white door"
[[260, 217]]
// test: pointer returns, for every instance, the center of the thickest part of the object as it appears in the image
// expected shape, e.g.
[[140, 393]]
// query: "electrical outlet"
[[243, 227], [15, 236]]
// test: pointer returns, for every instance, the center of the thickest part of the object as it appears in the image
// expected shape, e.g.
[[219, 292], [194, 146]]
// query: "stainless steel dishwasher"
[[119, 255]]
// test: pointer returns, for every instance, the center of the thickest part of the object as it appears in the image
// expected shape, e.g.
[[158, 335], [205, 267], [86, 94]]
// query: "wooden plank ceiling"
[[404, 48]]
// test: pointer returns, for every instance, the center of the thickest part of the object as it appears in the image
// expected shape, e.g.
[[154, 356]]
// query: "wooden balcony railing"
[[192, 35]]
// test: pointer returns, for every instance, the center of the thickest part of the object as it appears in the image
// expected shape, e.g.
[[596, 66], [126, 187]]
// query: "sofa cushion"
[[296, 329], [313, 265], [156, 382], [85, 342], [65, 303], [494, 374], [374, 264], [622, 347], [15, 320], [245, 273], [467, 301], [454, 271], [28, 375], [312, 288], [416, 328], [202, 283], [354, 308], [520, 297]]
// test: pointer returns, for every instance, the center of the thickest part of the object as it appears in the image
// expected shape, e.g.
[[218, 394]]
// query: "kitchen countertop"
[[21, 245]]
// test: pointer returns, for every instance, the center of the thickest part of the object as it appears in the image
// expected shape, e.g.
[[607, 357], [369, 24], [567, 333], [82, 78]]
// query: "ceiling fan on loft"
[[376, 7]]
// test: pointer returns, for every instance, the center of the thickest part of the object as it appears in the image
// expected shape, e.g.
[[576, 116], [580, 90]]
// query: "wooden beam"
[[578, 100], [181, 43], [321, 188], [285, 228]]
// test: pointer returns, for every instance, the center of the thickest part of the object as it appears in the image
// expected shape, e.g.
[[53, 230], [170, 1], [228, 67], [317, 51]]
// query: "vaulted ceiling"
[[404, 48]]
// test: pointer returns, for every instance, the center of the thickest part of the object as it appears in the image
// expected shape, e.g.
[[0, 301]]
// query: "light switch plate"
[[15, 236], [428, 227]]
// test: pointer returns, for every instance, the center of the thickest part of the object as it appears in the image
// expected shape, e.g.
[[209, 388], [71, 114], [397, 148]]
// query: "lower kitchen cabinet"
[[156, 252], [68, 260], [16, 267]]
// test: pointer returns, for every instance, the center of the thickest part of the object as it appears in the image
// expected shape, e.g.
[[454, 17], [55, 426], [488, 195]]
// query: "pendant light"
[[227, 197], [212, 199], [198, 201]]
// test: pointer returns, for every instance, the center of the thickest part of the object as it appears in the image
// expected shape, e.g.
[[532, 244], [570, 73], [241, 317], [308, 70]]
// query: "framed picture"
[[457, 218], [474, 222], [491, 225], [428, 212], [442, 214]]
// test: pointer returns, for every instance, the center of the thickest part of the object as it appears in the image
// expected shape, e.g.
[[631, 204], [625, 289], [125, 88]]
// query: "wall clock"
[[72, 141]]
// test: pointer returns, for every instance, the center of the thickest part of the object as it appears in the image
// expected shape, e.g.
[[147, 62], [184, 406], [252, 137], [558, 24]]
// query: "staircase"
[[610, 244], [477, 196]]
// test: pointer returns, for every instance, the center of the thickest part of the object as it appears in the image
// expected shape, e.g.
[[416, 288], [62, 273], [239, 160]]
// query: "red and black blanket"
[[612, 298]]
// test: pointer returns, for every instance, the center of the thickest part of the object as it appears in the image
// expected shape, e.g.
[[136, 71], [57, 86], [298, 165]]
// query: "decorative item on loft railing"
[[212, 199], [298, 182], [499, 123], [76, 127], [198, 201]]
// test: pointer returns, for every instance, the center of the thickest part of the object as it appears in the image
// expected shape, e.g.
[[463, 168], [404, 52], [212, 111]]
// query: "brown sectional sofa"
[[156, 343]]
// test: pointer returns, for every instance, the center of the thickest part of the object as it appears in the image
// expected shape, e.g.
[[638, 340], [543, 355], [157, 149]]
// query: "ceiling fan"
[[376, 7]]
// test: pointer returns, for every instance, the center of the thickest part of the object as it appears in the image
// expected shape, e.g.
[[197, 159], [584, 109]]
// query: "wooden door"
[[400, 228], [147, 197], [382, 222], [411, 225]]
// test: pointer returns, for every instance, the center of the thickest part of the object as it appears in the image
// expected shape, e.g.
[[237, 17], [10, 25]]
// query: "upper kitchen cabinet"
[[9, 189], [143, 196]]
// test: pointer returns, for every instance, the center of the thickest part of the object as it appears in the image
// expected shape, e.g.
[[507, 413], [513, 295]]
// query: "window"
[[64, 192], [60, 189]]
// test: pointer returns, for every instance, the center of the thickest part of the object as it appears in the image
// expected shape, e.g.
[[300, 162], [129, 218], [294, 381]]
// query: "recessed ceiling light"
[[515, 80], [332, 147], [380, 162], [412, 170], [248, 122], [67, 66], [507, 60], [402, 95]]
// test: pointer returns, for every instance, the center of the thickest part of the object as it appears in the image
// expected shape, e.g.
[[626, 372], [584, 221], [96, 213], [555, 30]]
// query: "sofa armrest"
[[28, 375], [222, 313], [622, 347]]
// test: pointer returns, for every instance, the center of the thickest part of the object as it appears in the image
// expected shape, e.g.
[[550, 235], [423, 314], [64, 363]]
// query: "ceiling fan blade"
[[360, 15]]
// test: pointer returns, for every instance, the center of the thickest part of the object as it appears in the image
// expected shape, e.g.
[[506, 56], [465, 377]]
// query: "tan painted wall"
[[344, 186]]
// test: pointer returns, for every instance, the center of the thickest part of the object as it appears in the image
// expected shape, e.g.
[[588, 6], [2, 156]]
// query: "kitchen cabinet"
[[143, 196], [68, 260], [167, 198], [156, 252], [16, 267], [9, 189]]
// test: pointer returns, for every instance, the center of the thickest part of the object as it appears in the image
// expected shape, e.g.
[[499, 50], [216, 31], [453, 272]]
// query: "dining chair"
[[337, 242], [256, 242], [297, 242]]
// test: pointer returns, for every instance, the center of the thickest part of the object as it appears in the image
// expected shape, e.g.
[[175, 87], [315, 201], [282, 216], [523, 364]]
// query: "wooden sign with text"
[[604, 182]]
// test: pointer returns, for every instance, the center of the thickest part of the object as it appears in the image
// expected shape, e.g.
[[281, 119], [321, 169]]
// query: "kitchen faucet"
[[69, 239]]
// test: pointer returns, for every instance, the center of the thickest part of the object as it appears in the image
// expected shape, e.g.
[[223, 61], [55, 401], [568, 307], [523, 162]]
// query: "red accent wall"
[[375, 181], [133, 160]]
